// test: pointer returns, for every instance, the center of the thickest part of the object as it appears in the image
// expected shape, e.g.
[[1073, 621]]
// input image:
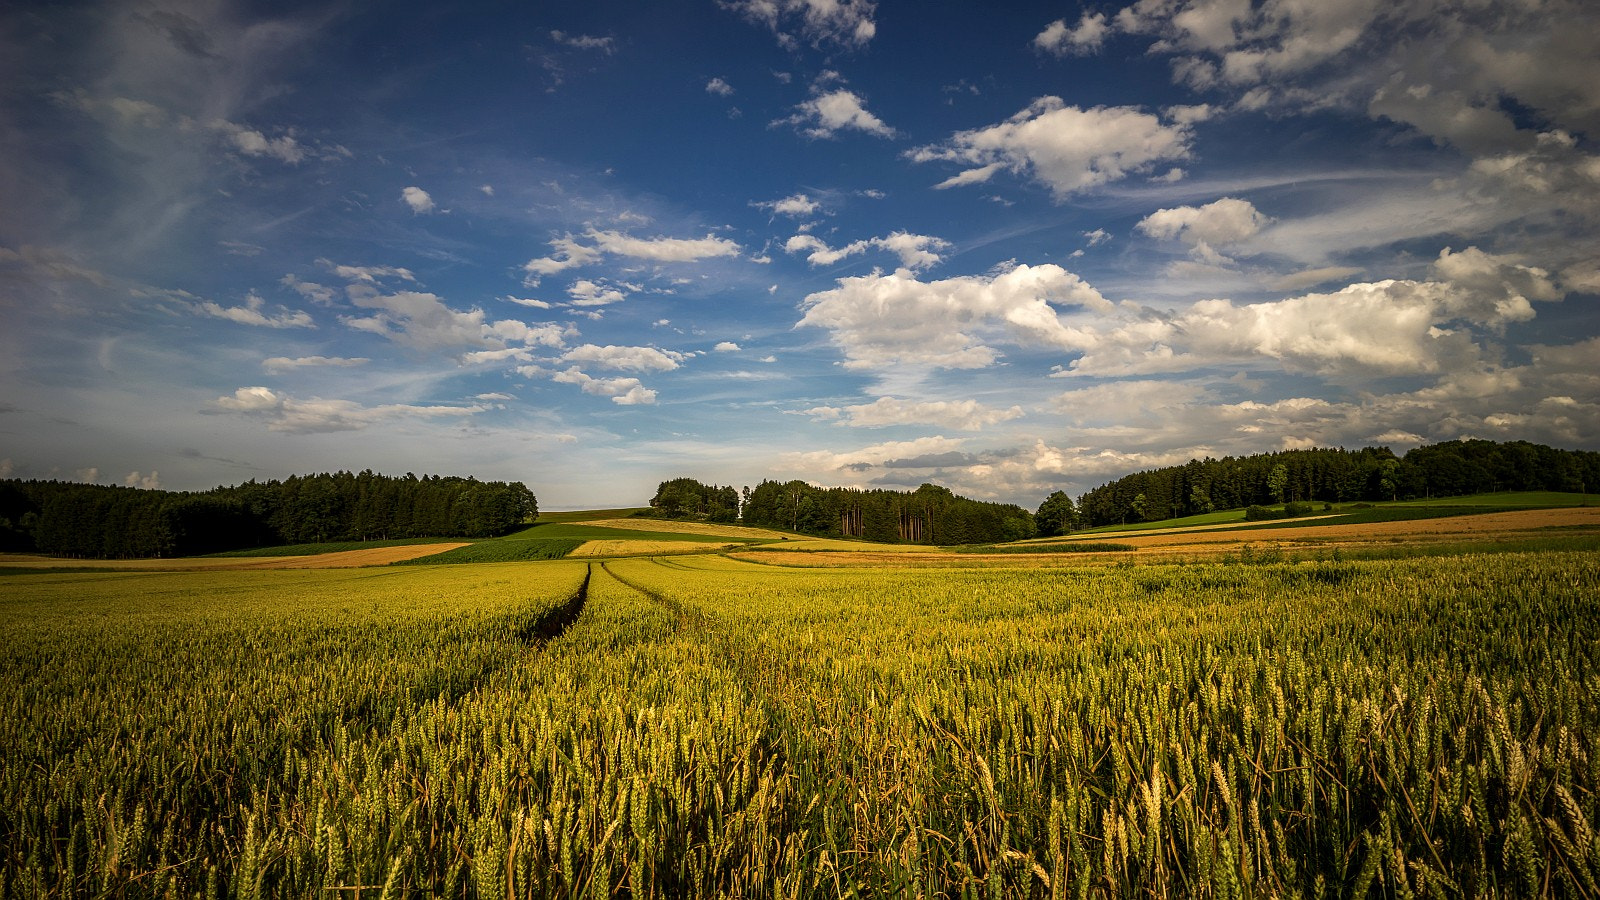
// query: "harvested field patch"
[[646, 548], [344, 559]]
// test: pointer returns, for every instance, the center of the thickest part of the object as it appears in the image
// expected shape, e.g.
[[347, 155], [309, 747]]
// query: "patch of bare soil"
[[349, 559]]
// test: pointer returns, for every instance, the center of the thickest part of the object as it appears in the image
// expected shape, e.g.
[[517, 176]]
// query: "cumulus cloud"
[[575, 251], [585, 292], [1498, 288], [796, 206], [1205, 228], [1066, 148], [1392, 327], [725, 347], [965, 415], [719, 87], [622, 391], [1086, 37], [151, 482], [842, 23], [629, 359], [1225, 221], [252, 314], [829, 112], [279, 364], [882, 320], [316, 415], [916, 251], [418, 199]]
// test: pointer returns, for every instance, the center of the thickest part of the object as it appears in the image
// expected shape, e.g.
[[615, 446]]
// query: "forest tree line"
[[98, 521], [1449, 469], [928, 515]]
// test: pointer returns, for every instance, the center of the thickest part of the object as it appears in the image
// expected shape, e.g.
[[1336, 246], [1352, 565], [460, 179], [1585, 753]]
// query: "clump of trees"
[[87, 520], [686, 498], [1449, 469], [928, 515]]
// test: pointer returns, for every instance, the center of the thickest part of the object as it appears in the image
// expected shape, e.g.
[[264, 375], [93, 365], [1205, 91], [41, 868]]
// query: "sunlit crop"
[[708, 726]]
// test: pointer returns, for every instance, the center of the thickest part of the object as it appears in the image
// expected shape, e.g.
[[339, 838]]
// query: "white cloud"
[[89, 475], [569, 254], [1299, 281], [283, 148], [572, 252], [828, 113], [528, 301], [418, 199], [725, 347], [1066, 148], [629, 359], [844, 23], [883, 320], [1057, 38], [486, 189], [1371, 329], [664, 249], [546, 334], [916, 251], [1224, 221], [251, 314], [278, 364], [876, 455], [316, 293], [966, 415], [424, 321], [606, 45], [151, 482], [719, 87], [590, 293], [368, 274], [797, 206], [1204, 228], [622, 391], [1097, 237], [1501, 289], [317, 415]]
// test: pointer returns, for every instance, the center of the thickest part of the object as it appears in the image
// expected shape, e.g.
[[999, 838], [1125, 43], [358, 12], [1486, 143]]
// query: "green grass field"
[[700, 726]]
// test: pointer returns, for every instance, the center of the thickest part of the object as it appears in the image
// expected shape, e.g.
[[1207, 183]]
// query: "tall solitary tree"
[[1056, 515]]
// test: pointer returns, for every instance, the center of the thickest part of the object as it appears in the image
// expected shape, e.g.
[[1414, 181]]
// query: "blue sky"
[[590, 247]]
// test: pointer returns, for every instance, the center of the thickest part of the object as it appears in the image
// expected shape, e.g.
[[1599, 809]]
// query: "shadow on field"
[[555, 623]]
